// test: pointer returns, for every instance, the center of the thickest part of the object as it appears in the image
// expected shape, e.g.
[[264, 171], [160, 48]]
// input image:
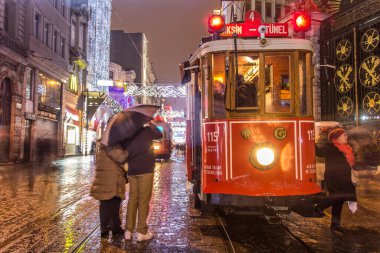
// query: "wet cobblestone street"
[[47, 209]]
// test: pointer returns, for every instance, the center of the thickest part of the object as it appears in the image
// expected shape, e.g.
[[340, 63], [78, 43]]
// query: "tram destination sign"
[[250, 28]]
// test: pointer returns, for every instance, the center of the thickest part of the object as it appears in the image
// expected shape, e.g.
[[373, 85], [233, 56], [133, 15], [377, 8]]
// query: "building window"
[[63, 42], [72, 33], [9, 14], [268, 10], [81, 36], [63, 6], [55, 3], [248, 6], [278, 11], [46, 33], [37, 24], [55, 41], [111, 75], [258, 7]]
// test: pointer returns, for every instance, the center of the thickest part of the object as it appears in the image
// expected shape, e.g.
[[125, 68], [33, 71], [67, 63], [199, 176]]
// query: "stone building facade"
[[42, 71], [13, 62]]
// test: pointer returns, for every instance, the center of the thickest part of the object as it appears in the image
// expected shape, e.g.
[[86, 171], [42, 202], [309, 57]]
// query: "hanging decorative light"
[[156, 91]]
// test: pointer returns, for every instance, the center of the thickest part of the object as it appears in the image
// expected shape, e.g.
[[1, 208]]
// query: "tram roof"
[[273, 44]]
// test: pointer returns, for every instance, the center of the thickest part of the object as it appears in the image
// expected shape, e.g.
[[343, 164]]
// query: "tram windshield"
[[277, 83], [263, 82], [247, 82]]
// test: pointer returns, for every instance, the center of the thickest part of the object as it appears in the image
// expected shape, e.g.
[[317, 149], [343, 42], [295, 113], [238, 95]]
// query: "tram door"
[[5, 118]]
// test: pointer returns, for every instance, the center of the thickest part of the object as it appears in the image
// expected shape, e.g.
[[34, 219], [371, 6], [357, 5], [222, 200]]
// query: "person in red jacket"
[[141, 164], [339, 159]]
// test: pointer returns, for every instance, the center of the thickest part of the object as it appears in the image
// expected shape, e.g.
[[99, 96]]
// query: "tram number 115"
[[311, 135], [212, 136]]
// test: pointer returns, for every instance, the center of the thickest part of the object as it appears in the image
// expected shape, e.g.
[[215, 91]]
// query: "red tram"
[[163, 147], [250, 126]]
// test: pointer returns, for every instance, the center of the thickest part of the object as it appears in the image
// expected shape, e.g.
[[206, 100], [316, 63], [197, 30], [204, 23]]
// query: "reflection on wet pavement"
[[47, 209]]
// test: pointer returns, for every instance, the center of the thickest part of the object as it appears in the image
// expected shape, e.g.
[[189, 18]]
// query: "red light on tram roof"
[[215, 23], [302, 21]]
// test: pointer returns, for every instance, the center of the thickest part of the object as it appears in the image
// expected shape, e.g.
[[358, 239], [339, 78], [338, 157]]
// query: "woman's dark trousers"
[[109, 215], [337, 206]]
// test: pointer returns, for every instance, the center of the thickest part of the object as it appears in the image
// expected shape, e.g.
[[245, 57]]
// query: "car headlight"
[[263, 156]]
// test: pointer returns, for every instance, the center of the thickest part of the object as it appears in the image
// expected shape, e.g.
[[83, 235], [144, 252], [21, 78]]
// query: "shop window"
[[278, 92], [49, 92]]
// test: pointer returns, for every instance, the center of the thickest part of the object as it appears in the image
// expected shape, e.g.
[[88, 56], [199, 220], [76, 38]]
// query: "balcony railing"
[[12, 43]]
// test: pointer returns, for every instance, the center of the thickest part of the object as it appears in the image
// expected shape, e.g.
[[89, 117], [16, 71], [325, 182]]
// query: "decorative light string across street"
[[155, 91]]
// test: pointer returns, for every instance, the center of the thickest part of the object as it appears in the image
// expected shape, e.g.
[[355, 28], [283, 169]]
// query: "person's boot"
[[104, 234], [318, 211], [337, 229]]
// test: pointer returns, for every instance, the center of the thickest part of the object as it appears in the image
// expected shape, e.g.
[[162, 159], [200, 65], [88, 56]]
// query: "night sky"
[[173, 28]]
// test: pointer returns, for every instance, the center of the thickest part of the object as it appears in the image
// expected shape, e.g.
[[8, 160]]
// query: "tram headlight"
[[263, 156]]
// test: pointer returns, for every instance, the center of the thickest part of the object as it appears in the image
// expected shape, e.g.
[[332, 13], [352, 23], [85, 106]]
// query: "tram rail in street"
[[234, 245], [31, 226]]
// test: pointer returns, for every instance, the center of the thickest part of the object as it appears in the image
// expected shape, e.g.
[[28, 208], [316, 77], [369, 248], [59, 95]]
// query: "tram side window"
[[203, 79], [277, 84], [219, 84], [247, 82], [305, 105]]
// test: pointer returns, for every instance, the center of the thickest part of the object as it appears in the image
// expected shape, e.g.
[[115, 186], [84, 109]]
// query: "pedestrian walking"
[[339, 160], [141, 164], [109, 186]]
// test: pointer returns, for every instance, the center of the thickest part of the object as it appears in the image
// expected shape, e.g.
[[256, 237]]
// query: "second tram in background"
[[250, 127], [163, 147]]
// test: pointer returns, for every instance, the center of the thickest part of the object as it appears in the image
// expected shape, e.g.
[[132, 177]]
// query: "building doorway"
[[5, 118]]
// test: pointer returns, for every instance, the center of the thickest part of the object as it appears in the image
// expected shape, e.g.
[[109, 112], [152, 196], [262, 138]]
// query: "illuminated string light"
[[98, 54], [178, 124], [172, 114], [112, 105], [156, 91]]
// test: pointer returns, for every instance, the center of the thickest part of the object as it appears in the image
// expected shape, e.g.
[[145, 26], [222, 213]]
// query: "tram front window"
[[277, 84], [247, 82]]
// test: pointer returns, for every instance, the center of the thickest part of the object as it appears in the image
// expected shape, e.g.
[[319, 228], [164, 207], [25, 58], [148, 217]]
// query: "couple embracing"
[[109, 182]]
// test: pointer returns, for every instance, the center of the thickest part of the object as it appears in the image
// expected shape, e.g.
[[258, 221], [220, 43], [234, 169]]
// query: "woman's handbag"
[[354, 177]]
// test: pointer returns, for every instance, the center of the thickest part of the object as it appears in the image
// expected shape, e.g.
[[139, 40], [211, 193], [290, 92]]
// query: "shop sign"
[[30, 116]]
